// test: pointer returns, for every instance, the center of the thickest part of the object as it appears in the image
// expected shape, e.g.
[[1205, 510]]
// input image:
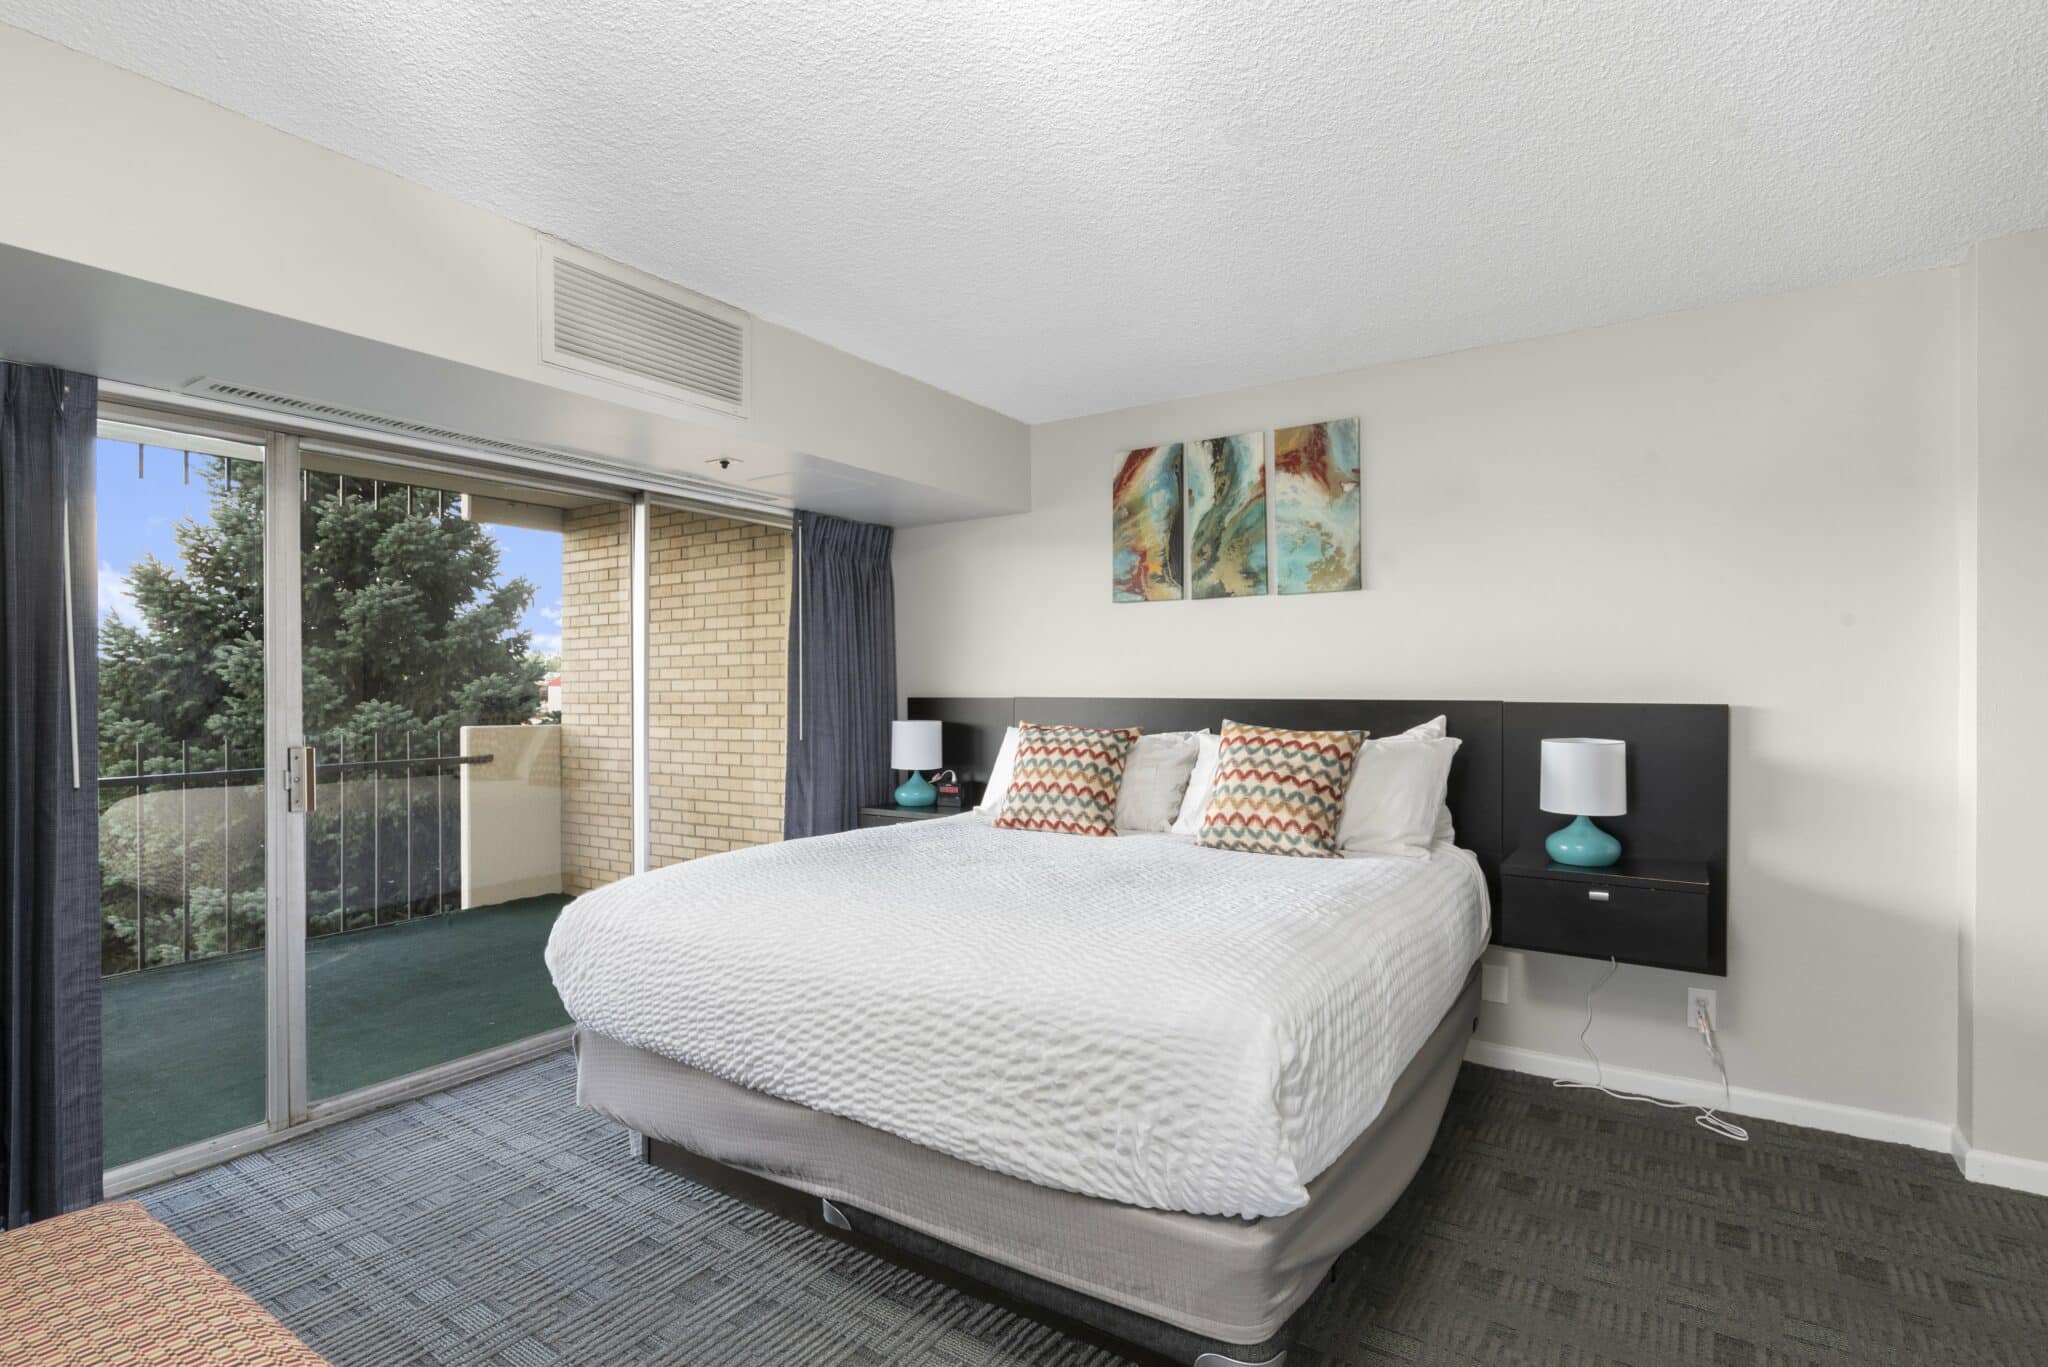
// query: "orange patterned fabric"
[[1279, 792], [112, 1285], [1066, 779]]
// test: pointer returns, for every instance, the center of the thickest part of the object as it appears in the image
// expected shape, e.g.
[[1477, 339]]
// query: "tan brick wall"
[[597, 697], [718, 617]]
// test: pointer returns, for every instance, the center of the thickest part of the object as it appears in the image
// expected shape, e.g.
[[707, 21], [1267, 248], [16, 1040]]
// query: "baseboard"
[[1743, 1101], [2001, 1169], [1978, 1165]]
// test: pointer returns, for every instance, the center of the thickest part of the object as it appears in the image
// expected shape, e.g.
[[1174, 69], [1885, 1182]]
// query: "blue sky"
[[138, 516]]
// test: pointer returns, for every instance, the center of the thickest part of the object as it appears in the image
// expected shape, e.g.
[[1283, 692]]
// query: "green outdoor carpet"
[[183, 1047]]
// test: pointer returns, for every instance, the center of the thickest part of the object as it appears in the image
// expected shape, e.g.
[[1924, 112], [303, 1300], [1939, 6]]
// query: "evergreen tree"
[[409, 635]]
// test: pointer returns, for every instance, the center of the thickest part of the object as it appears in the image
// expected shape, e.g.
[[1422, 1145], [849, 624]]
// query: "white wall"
[[2005, 944], [1754, 504], [115, 172], [511, 814], [1967, 833]]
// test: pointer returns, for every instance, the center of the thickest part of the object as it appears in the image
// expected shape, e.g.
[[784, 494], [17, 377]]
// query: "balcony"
[[440, 848], [434, 880], [183, 1041]]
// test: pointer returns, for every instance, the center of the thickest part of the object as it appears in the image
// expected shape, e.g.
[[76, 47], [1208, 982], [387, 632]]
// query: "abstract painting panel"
[[1227, 516], [1317, 539], [1146, 562]]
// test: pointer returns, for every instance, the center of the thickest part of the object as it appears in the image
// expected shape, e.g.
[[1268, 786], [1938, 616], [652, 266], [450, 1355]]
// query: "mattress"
[[1138, 1019], [1231, 1280]]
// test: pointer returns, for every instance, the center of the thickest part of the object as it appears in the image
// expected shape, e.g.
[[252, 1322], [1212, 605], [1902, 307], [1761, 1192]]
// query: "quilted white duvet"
[[1135, 1018]]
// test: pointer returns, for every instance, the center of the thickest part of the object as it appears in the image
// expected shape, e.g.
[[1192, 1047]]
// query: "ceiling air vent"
[[356, 417], [607, 320]]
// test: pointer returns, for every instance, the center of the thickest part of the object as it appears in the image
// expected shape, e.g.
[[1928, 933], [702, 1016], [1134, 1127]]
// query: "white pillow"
[[1209, 749], [1000, 773], [1446, 831], [1155, 779], [1395, 805]]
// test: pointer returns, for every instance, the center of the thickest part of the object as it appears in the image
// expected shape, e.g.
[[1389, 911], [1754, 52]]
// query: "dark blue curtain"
[[842, 674], [49, 773]]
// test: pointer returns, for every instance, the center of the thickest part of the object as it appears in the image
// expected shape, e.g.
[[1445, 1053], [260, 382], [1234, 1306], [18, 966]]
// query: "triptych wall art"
[[1310, 516], [1227, 516], [1146, 563]]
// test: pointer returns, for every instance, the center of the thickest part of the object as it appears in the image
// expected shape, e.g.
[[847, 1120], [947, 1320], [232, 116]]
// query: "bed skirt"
[[1217, 1278]]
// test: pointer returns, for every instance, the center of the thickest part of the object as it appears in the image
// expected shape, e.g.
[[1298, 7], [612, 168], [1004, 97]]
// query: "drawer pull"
[[1596, 894]]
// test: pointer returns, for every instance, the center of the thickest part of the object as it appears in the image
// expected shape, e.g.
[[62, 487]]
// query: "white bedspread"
[[1135, 1018]]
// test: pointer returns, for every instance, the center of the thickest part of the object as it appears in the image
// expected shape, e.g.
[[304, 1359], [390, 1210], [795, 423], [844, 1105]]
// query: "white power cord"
[[1707, 1119]]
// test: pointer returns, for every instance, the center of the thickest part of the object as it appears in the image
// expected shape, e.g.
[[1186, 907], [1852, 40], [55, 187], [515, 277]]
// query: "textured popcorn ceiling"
[[1059, 208]]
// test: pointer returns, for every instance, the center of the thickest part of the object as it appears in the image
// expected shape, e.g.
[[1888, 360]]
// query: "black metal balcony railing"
[[182, 874]]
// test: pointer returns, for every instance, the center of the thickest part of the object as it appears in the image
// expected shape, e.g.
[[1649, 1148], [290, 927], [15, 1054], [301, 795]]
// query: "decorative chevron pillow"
[[1066, 779], [1279, 792]]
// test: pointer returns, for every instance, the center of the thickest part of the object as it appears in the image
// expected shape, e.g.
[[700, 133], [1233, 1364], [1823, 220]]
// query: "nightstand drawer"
[[1595, 920], [871, 817]]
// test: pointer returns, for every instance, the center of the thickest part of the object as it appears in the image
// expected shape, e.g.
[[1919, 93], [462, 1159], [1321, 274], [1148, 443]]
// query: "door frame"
[[285, 830], [289, 1110], [285, 437]]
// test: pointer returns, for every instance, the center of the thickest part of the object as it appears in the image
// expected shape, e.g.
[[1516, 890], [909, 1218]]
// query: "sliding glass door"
[[367, 721], [182, 840], [364, 727], [432, 679]]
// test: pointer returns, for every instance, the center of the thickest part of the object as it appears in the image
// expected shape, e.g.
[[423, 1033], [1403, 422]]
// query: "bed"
[[1143, 1088]]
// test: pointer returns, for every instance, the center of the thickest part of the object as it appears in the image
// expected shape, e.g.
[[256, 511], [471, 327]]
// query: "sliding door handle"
[[301, 778]]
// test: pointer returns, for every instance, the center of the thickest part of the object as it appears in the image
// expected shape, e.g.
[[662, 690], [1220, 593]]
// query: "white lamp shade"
[[1583, 776], [914, 744]]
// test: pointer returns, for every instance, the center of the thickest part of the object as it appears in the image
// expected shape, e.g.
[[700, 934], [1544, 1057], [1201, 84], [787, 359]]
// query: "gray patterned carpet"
[[497, 1223]]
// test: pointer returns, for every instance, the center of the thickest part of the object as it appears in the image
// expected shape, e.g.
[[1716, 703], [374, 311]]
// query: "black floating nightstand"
[[1639, 911], [896, 816]]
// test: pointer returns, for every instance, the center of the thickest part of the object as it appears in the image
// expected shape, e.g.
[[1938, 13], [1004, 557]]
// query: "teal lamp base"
[[1582, 845], [917, 791]]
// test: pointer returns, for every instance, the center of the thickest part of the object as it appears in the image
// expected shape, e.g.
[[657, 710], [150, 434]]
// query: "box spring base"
[[1160, 1285], [1111, 1327]]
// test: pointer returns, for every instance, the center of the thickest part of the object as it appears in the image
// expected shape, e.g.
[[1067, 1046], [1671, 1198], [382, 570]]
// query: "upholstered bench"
[[112, 1285]]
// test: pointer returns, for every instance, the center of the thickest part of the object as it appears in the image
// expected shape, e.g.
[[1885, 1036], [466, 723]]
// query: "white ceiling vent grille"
[[607, 320]]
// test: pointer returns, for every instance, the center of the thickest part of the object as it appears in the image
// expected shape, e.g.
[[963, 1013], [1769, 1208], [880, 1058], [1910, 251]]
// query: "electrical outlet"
[[1698, 1000], [1493, 982]]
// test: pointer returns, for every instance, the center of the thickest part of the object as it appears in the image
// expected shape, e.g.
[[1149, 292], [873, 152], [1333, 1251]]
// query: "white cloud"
[[553, 614], [115, 598], [547, 642]]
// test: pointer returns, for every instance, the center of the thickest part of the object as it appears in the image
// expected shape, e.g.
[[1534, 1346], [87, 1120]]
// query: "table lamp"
[[1583, 778], [914, 745]]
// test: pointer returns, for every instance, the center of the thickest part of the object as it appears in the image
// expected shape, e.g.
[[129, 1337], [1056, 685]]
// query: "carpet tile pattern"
[[496, 1223]]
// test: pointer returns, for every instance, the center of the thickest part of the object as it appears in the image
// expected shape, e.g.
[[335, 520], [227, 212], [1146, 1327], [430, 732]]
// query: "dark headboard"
[[1677, 759]]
